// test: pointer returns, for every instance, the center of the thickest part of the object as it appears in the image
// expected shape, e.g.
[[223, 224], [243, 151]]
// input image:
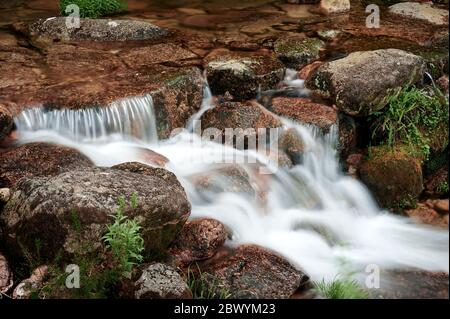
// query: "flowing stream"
[[322, 221]]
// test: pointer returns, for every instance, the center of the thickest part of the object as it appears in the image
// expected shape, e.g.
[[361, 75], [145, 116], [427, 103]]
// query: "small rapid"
[[319, 219]]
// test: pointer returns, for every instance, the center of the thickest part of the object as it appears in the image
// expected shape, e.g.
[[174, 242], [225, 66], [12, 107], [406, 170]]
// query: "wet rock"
[[38, 159], [302, 1], [394, 177], [151, 157], [425, 215], [242, 74], [295, 53], [411, 284], [69, 212], [254, 272], [305, 72], [421, 11], [27, 286], [247, 119], [351, 85], [334, 6], [232, 178], [354, 162], [305, 111], [6, 122], [198, 240], [291, 143], [6, 276], [167, 53], [104, 30], [160, 281]]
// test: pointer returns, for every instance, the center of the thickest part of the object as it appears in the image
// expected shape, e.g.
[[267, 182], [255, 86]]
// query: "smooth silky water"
[[319, 219]]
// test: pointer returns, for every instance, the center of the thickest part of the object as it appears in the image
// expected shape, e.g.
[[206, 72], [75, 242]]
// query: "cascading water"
[[319, 219], [131, 118]]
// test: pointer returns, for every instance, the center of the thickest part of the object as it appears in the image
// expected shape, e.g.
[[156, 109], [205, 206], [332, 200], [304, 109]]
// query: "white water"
[[321, 220]]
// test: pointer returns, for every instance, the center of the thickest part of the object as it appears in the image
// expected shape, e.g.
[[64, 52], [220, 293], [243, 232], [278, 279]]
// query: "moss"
[[416, 118], [94, 8]]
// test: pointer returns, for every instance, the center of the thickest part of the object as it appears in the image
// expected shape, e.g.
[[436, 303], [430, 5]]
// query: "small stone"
[[27, 286], [5, 195], [160, 281], [6, 277], [334, 6]]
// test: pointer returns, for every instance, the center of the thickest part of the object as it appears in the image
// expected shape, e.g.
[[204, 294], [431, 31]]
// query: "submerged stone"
[[421, 11]]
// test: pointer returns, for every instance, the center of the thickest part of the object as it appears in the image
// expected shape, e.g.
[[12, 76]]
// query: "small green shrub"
[[94, 8], [442, 188], [205, 286], [340, 289], [415, 117], [124, 239]]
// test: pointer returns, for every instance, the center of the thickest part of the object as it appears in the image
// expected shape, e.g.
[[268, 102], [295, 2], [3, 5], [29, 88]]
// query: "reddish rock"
[[253, 272], [243, 117], [393, 176], [354, 162], [38, 159], [307, 70], [439, 205], [291, 143], [6, 277], [443, 83], [425, 215], [305, 111], [198, 240], [6, 122], [167, 53], [241, 73]]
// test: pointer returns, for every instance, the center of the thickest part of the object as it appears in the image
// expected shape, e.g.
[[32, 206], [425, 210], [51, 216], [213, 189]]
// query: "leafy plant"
[[94, 8], [413, 117], [340, 289], [205, 286], [442, 188], [124, 239]]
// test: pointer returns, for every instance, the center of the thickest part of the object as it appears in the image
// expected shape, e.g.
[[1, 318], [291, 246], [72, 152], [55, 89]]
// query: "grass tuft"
[[340, 289]]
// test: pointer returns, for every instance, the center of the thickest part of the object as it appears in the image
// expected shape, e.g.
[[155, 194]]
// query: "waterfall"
[[316, 217], [130, 118]]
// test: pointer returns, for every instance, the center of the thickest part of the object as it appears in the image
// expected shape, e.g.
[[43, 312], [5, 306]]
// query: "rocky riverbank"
[[385, 90]]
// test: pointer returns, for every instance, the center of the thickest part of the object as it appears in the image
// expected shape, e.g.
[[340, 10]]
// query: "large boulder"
[[394, 176], [421, 11], [160, 281], [242, 74], [296, 53], [69, 212], [56, 29], [306, 112], [361, 83], [198, 240], [38, 159], [254, 272]]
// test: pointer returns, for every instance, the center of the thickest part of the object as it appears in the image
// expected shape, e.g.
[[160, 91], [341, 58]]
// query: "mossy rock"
[[295, 53], [393, 175]]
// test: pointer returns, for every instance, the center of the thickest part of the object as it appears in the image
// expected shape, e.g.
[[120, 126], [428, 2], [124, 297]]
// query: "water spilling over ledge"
[[130, 118]]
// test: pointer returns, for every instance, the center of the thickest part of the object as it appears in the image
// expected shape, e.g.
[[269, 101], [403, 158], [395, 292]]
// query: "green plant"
[[124, 239], [442, 188], [340, 289], [205, 286], [413, 117], [94, 8]]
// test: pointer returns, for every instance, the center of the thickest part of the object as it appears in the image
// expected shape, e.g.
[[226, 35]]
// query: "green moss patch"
[[94, 8]]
